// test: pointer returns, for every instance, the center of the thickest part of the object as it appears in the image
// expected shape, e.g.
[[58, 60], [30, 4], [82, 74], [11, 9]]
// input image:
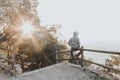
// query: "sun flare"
[[27, 28]]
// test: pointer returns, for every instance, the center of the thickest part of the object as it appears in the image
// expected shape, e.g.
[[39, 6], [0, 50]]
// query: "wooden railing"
[[9, 67], [82, 50], [92, 50]]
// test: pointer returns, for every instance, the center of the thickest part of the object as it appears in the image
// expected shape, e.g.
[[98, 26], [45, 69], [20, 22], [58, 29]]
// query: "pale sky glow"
[[97, 21]]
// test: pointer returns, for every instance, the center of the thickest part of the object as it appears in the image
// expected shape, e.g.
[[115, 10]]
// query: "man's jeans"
[[72, 50]]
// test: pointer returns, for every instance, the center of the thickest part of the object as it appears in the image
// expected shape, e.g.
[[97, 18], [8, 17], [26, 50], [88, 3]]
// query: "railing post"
[[82, 56], [57, 56]]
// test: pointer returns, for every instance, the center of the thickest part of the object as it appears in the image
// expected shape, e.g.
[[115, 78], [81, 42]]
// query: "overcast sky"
[[95, 20]]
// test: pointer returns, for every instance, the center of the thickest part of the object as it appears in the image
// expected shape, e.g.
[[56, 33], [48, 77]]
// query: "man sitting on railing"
[[74, 43]]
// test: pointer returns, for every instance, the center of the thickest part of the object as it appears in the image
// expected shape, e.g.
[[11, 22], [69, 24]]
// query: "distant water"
[[96, 57], [100, 57]]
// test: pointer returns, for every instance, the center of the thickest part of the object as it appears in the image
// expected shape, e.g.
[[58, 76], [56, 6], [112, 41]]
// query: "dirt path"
[[61, 71]]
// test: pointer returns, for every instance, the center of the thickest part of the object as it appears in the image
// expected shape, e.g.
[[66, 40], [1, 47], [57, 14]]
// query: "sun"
[[27, 28]]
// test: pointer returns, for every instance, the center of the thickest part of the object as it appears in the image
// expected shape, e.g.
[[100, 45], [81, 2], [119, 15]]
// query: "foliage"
[[114, 62], [12, 15], [40, 47]]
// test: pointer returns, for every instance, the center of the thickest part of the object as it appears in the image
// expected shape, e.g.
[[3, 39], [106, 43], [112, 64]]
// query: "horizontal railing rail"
[[91, 50], [102, 51]]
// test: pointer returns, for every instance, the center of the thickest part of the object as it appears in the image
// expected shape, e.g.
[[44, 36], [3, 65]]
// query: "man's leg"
[[78, 54], [72, 54]]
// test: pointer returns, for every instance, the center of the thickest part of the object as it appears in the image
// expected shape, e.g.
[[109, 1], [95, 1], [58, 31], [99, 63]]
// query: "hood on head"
[[75, 33]]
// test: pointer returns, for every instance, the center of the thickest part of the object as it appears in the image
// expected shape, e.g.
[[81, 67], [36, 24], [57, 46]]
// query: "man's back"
[[74, 42]]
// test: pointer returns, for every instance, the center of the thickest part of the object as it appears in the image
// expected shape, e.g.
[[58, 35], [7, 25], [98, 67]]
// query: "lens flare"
[[27, 28]]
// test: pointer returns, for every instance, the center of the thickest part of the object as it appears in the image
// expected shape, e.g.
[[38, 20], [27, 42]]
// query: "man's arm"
[[78, 42], [69, 42]]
